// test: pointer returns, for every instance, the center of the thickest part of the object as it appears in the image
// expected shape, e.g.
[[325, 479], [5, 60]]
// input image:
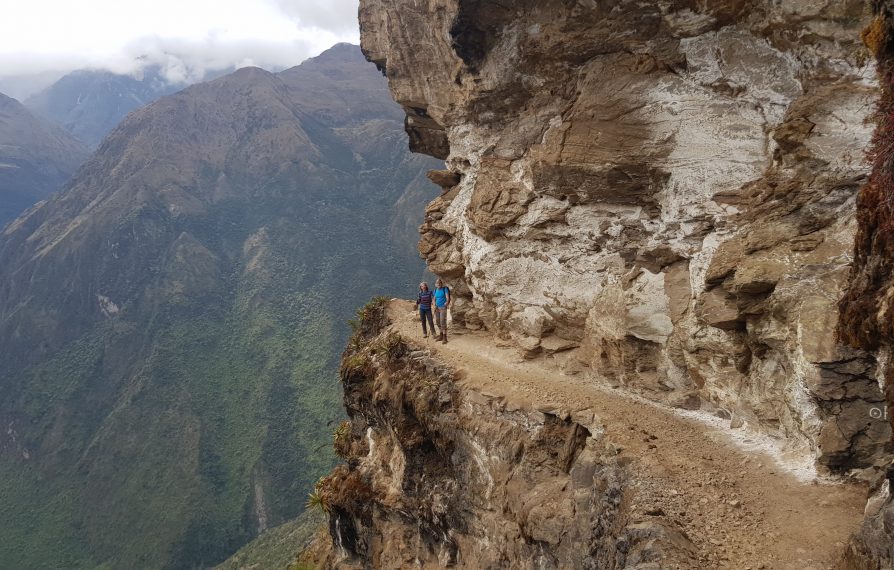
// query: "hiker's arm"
[[449, 299]]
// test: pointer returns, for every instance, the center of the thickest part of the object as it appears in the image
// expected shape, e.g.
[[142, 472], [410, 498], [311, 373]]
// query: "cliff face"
[[659, 194], [866, 307], [438, 474]]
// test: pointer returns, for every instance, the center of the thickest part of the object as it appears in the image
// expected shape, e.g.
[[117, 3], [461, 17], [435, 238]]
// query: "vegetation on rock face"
[[341, 441], [170, 324], [866, 318], [867, 308]]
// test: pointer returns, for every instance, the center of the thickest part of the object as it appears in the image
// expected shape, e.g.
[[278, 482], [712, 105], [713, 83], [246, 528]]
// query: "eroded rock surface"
[[865, 320], [665, 190], [438, 475], [462, 455]]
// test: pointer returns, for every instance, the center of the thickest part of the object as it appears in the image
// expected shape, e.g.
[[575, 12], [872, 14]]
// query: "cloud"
[[328, 14], [185, 38]]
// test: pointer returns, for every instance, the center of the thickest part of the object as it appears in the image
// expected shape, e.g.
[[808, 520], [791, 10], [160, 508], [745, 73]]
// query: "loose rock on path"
[[739, 507]]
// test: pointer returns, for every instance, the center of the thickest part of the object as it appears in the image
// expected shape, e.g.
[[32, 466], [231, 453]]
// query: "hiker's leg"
[[426, 315], [442, 320], [422, 318]]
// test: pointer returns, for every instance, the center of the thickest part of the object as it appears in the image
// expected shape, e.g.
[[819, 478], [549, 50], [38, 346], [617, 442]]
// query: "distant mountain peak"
[[249, 73], [343, 51], [169, 322], [89, 103], [36, 158]]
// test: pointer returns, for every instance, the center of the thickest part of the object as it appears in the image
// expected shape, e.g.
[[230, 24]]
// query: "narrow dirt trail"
[[740, 509]]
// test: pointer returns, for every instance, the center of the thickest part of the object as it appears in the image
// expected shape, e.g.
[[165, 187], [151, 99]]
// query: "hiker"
[[442, 304], [423, 303]]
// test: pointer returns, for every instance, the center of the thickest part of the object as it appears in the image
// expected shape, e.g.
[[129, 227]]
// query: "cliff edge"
[[465, 455], [658, 199], [665, 190]]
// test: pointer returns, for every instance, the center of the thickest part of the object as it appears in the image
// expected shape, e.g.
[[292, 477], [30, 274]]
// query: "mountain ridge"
[[171, 320], [89, 103], [36, 158]]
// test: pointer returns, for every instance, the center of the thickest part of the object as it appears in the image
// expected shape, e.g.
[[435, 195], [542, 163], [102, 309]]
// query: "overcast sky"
[[184, 36]]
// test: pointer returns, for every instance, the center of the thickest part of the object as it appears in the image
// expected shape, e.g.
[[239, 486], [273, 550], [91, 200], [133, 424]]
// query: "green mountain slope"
[[170, 323], [278, 548]]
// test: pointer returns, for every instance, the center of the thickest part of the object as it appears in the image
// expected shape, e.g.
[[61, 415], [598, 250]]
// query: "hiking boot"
[[444, 338], [424, 335]]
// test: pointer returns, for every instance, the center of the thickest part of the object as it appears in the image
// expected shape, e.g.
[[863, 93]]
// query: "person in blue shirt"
[[423, 303], [442, 304]]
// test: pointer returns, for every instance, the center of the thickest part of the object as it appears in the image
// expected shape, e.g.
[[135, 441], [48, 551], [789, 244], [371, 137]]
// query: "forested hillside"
[[171, 322]]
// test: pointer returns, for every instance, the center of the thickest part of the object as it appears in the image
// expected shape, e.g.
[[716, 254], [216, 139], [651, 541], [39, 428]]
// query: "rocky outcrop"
[[865, 320], [439, 474], [665, 189]]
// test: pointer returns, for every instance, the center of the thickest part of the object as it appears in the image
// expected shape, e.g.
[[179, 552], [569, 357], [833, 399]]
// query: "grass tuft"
[[342, 439]]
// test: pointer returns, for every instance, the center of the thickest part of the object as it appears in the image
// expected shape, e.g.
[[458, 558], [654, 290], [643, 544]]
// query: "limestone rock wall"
[[660, 194]]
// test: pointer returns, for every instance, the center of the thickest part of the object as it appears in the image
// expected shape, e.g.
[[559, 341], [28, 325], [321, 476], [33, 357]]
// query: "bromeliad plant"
[[319, 497]]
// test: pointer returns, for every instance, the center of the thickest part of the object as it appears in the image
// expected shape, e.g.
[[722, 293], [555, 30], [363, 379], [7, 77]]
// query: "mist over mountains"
[[36, 158], [171, 320], [90, 103], [45, 139]]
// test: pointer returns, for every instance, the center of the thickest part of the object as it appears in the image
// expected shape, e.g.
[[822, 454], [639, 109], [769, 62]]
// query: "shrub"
[[342, 439], [388, 345], [355, 365]]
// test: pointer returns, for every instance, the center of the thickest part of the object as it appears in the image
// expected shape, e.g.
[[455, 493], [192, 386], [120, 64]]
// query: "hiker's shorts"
[[441, 318]]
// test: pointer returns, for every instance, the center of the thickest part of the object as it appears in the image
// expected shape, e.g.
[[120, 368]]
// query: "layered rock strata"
[[865, 321], [441, 475], [660, 193]]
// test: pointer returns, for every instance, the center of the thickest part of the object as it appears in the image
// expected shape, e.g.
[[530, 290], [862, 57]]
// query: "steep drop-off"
[[665, 191], [439, 475], [36, 159], [462, 454], [657, 197], [170, 322]]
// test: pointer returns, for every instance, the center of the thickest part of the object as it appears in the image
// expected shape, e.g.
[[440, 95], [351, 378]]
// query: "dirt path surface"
[[740, 509]]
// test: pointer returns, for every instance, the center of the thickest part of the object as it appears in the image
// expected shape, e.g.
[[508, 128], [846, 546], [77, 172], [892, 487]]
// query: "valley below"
[[171, 320], [667, 229]]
